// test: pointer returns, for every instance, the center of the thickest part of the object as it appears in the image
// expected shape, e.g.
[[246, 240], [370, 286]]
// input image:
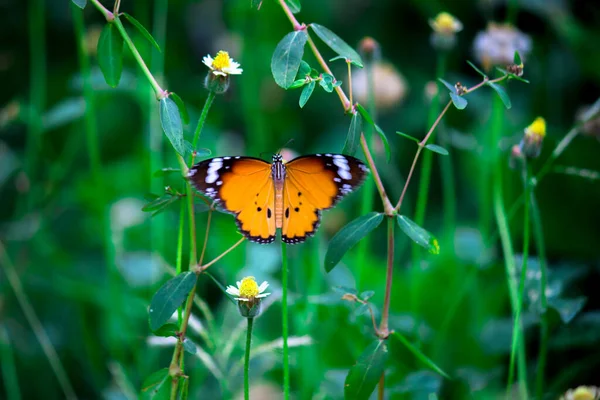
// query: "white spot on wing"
[[343, 168], [219, 183], [212, 173], [336, 179]]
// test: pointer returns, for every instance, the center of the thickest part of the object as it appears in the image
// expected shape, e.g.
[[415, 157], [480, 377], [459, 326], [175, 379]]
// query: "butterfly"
[[287, 195]]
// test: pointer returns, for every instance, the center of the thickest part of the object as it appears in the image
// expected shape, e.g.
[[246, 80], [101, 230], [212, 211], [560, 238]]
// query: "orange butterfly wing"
[[242, 186], [315, 183]]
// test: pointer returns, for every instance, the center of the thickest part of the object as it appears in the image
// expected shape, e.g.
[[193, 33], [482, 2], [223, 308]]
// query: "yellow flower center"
[[221, 61], [249, 287], [537, 128], [445, 23]]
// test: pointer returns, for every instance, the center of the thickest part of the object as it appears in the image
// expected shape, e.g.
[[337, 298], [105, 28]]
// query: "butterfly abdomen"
[[278, 174]]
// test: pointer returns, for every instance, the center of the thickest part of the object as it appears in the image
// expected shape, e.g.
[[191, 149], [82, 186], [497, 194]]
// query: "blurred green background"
[[89, 260]]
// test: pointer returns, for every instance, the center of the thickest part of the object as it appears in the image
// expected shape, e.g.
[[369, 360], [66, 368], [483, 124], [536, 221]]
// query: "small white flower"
[[222, 64], [247, 289]]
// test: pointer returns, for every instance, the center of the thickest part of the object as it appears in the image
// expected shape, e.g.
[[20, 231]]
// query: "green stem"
[[179, 260], [544, 328], [384, 325], [425, 178], [518, 323], [158, 91], [369, 186], [247, 359], [88, 92], [37, 95], [284, 321], [198, 131], [505, 239]]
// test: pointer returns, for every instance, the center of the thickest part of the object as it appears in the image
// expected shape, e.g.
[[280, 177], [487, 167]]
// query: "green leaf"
[[409, 137], [297, 83], [337, 44], [344, 289], [142, 30], [459, 101], [345, 60], [167, 330], [354, 132], [170, 121], [386, 144], [169, 297], [159, 204], [157, 386], [350, 235], [517, 58], [437, 149], [110, 54], [181, 106], [165, 171], [419, 235], [294, 6], [365, 374], [303, 70], [365, 114], [567, 308], [80, 3], [326, 82], [417, 353], [185, 384], [306, 93], [476, 69], [189, 346], [450, 87], [502, 93], [366, 295], [287, 58]]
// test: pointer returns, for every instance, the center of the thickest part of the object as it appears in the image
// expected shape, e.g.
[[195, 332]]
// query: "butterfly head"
[[277, 158]]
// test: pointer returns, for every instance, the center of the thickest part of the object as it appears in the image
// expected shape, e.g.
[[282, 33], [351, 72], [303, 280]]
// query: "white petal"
[[263, 286], [208, 60], [219, 73], [238, 283], [233, 291], [233, 64], [262, 295], [242, 299]]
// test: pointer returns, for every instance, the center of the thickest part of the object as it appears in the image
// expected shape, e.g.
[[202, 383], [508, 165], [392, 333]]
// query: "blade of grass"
[[36, 325], [284, 321]]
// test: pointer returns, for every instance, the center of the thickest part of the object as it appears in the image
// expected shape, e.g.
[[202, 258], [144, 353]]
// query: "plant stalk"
[[247, 359]]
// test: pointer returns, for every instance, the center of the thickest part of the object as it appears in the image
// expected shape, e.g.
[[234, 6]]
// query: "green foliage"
[[157, 386], [294, 6], [365, 374], [336, 44], [419, 235], [437, 149], [369, 119], [110, 54], [349, 236], [169, 297], [142, 30], [287, 58], [501, 93], [354, 132], [80, 3], [170, 121], [306, 93], [76, 157]]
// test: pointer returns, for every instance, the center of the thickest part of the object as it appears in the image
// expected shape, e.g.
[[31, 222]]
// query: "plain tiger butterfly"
[[287, 195]]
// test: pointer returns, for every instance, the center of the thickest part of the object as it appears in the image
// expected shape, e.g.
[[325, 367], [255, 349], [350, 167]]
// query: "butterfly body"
[[289, 196]]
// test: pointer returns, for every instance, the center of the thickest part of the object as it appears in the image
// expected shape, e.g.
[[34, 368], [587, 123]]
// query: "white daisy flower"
[[222, 64], [247, 289]]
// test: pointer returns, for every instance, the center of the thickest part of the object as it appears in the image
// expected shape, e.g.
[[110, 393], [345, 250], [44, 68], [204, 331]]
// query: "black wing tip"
[[255, 239]]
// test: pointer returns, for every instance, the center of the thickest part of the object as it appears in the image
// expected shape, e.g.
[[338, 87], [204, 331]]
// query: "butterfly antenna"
[[285, 145]]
